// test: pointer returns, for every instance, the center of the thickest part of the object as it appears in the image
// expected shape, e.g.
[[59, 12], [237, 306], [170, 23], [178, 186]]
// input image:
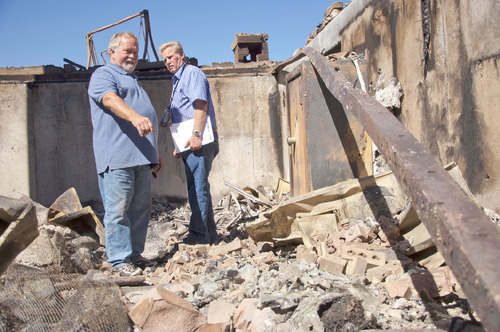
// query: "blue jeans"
[[202, 227], [126, 195]]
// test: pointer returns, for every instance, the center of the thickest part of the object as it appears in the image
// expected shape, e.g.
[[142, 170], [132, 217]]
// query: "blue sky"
[[43, 32]]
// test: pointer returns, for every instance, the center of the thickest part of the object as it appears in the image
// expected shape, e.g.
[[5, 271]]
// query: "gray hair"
[[175, 45], [115, 41]]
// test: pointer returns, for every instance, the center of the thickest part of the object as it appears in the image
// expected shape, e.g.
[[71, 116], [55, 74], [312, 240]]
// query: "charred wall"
[[46, 133], [445, 55]]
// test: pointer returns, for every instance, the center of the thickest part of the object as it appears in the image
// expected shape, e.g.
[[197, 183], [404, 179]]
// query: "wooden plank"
[[300, 180]]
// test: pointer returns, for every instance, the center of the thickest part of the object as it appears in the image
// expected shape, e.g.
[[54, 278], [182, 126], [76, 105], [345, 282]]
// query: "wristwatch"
[[196, 133]]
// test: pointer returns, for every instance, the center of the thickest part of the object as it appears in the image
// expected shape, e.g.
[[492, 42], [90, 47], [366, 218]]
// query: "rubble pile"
[[70, 238], [349, 257], [258, 286]]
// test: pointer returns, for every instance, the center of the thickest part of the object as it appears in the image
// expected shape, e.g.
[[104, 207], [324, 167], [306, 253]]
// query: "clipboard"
[[182, 131]]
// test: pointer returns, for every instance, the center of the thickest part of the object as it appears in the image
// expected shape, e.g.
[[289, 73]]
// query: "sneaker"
[[129, 270], [143, 262]]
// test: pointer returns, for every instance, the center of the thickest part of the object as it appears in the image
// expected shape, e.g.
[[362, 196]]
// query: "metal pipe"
[[112, 25], [90, 43]]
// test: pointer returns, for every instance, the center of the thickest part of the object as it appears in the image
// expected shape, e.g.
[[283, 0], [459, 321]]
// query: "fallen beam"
[[247, 195], [128, 281], [467, 239]]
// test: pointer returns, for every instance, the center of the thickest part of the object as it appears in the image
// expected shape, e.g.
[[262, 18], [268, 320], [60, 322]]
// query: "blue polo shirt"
[[192, 84], [117, 143]]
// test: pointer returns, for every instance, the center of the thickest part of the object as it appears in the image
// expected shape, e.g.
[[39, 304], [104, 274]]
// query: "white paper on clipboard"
[[182, 131]]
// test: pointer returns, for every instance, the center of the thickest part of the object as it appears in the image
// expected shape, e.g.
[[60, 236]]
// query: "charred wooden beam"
[[467, 239]]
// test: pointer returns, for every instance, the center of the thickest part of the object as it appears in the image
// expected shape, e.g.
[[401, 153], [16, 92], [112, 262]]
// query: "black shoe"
[[143, 262], [192, 242]]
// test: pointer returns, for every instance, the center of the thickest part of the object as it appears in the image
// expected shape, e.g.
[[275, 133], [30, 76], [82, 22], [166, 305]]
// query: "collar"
[[178, 74]]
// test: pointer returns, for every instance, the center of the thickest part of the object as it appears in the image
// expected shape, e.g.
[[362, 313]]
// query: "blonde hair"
[[175, 45]]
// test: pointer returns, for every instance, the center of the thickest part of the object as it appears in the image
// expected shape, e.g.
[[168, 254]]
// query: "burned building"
[[432, 64]]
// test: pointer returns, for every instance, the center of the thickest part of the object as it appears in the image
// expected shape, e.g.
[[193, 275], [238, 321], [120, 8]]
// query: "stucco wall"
[[249, 129], [15, 150], [450, 99], [46, 136]]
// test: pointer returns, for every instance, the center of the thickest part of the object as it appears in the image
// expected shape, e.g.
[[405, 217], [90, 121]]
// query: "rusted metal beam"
[[464, 235], [148, 35]]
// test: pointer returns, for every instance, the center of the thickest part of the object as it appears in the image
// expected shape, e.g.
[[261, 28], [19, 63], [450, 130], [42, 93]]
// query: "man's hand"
[[142, 124], [194, 143], [176, 155]]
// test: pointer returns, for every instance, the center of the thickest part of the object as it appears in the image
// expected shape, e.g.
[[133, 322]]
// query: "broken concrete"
[[69, 237], [162, 310], [356, 199], [260, 286], [68, 211], [18, 228]]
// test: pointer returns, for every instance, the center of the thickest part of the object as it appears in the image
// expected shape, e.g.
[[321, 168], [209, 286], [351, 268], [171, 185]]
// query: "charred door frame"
[[326, 145], [296, 129]]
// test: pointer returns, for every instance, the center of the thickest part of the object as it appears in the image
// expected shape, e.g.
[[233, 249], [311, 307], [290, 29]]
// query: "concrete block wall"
[[15, 122]]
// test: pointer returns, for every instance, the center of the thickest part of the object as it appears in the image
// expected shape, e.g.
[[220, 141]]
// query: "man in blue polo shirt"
[[191, 99], [125, 149]]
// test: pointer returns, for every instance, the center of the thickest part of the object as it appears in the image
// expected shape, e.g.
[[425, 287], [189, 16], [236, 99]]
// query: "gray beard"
[[129, 67]]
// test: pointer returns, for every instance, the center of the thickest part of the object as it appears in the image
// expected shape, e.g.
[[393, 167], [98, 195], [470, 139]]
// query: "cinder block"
[[383, 271], [227, 262], [332, 264], [231, 247], [321, 248], [372, 257], [398, 288], [162, 310], [219, 327], [306, 255], [357, 232], [357, 266], [265, 258]]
